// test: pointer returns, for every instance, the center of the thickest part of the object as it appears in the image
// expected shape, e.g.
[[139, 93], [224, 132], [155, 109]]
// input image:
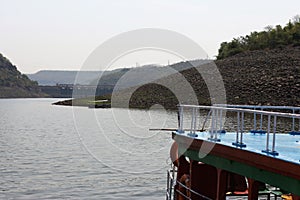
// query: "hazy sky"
[[60, 34]]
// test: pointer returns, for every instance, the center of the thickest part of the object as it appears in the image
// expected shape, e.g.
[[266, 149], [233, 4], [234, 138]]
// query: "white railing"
[[289, 109], [171, 180], [216, 115], [172, 193]]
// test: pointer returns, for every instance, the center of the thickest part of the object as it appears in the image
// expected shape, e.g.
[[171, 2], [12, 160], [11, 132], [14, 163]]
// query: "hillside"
[[13, 84], [267, 77], [263, 77], [148, 72], [105, 82], [53, 77]]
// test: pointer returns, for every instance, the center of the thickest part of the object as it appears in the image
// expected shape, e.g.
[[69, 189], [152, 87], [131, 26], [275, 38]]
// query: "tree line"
[[270, 38]]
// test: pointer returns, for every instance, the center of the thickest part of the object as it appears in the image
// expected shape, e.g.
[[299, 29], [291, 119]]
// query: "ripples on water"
[[55, 152], [42, 156]]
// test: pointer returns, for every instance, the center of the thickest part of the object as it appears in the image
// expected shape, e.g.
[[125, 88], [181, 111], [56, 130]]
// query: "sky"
[[60, 34]]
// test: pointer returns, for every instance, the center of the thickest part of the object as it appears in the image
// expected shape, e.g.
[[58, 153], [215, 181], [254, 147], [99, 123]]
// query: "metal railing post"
[[268, 132], [168, 185], [195, 120], [221, 120], [238, 127], [299, 125], [180, 128], [293, 123], [192, 121], [212, 124], [242, 129], [274, 133], [216, 124], [254, 123], [261, 120], [267, 150]]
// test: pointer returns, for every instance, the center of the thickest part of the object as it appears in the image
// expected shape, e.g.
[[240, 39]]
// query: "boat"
[[257, 155]]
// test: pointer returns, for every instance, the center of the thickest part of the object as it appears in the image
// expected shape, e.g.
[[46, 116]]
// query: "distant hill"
[[53, 77], [13, 84], [129, 77], [53, 82], [119, 79]]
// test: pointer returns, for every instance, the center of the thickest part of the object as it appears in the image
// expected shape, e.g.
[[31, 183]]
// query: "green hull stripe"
[[277, 180]]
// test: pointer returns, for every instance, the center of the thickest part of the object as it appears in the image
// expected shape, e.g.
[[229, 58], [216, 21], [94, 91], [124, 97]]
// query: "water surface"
[[54, 152]]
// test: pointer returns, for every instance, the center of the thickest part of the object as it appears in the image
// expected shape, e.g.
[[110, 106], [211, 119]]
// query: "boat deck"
[[287, 146], [262, 153]]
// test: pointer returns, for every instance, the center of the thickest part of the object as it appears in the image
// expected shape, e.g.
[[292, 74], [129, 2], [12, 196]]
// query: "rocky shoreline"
[[261, 77]]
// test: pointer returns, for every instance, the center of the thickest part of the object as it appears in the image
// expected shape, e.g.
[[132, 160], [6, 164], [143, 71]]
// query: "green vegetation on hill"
[[270, 38], [13, 84]]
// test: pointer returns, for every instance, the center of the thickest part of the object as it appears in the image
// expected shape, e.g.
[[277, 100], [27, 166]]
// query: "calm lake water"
[[57, 152], [54, 152]]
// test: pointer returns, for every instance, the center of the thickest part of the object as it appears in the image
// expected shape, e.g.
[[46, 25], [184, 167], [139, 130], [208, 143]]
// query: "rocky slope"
[[263, 77], [13, 84], [266, 77]]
